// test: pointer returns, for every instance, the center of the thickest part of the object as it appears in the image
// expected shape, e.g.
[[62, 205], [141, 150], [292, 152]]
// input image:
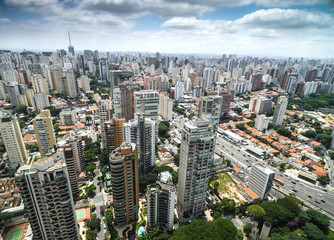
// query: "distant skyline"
[[287, 28]]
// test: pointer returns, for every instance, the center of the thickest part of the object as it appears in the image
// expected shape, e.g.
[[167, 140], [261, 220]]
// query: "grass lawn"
[[224, 182]]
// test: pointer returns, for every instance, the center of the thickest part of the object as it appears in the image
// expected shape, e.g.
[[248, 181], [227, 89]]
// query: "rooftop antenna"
[[69, 37]]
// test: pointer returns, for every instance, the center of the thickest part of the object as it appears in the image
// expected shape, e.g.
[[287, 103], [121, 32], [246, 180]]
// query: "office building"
[[40, 101], [166, 107], [44, 131], [48, 203], [70, 47], [113, 136], [161, 201], [261, 122], [147, 101], [210, 109], [261, 180], [196, 159], [125, 183], [104, 69], [282, 103], [68, 118], [105, 114], [123, 102], [143, 132], [12, 139]]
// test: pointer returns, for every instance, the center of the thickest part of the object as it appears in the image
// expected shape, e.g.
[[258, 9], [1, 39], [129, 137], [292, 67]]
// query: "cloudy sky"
[[296, 28]]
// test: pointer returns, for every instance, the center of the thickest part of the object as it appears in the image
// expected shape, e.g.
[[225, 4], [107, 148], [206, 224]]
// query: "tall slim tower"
[[142, 132], [47, 196], [70, 47], [105, 113], [197, 152], [282, 103], [113, 136], [12, 138], [123, 102], [148, 102], [125, 183], [210, 109], [44, 131]]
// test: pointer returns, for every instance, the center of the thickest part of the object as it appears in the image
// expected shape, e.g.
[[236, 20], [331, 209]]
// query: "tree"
[[90, 235], [94, 223], [177, 159], [163, 128], [276, 214], [199, 229], [20, 109], [238, 110], [323, 180], [282, 166], [90, 168], [270, 112], [109, 217], [90, 189], [228, 205], [290, 203], [284, 131], [240, 235], [248, 229], [319, 219], [216, 185], [6, 217], [313, 232], [310, 134], [256, 212], [332, 155], [54, 111]]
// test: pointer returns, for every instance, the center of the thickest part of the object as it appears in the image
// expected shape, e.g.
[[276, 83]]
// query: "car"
[[325, 190], [320, 195], [323, 201], [309, 196], [316, 201], [295, 190], [293, 182], [232, 154], [244, 155]]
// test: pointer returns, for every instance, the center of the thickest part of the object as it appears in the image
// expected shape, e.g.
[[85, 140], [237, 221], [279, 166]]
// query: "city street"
[[308, 192], [99, 200]]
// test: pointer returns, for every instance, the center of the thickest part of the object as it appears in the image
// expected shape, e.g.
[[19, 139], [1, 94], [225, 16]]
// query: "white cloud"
[[288, 3], [4, 20]]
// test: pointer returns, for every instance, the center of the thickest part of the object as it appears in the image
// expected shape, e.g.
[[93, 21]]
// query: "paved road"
[[99, 199]]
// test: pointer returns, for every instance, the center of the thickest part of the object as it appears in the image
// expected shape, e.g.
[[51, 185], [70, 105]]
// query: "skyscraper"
[[48, 203], [113, 136], [147, 101], [166, 107], [208, 76], [210, 109], [12, 138], [125, 183], [40, 101], [105, 114], [70, 84], [197, 153], [123, 102], [261, 180], [142, 132], [118, 77], [282, 103], [104, 69], [44, 131], [161, 201]]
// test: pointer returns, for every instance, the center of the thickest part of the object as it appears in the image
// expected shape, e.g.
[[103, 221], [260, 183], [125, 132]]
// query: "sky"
[[275, 28]]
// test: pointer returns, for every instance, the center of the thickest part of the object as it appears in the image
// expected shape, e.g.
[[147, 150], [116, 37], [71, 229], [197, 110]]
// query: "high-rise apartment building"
[[118, 77], [147, 102], [161, 201], [44, 131], [123, 102], [104, 69], [70, 84], [196, 159], [260, 104], [261, 122], [226, 102], [105, 114], [309, 88], [47, 195], [113, 136], [208, 74], [210, 109], [12, 138], [39, 84], [179, 90], [68, 117], [40, 101], [282, 103], [142, 131], [261, 180], [125, 183], [166, 107]]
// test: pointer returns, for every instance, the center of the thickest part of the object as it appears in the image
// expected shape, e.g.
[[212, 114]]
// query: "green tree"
[[20, 109], [276, 214], [90, 235], [94, 223], [332, 155], [240, 235], [90, 168], [238, 110], [248, 229], [310, 134], [319, 219], [6, 217], [290, 203], [313, 232], [256, 212], [163, 128], [270, 113], [177, 159], [323, 180]]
